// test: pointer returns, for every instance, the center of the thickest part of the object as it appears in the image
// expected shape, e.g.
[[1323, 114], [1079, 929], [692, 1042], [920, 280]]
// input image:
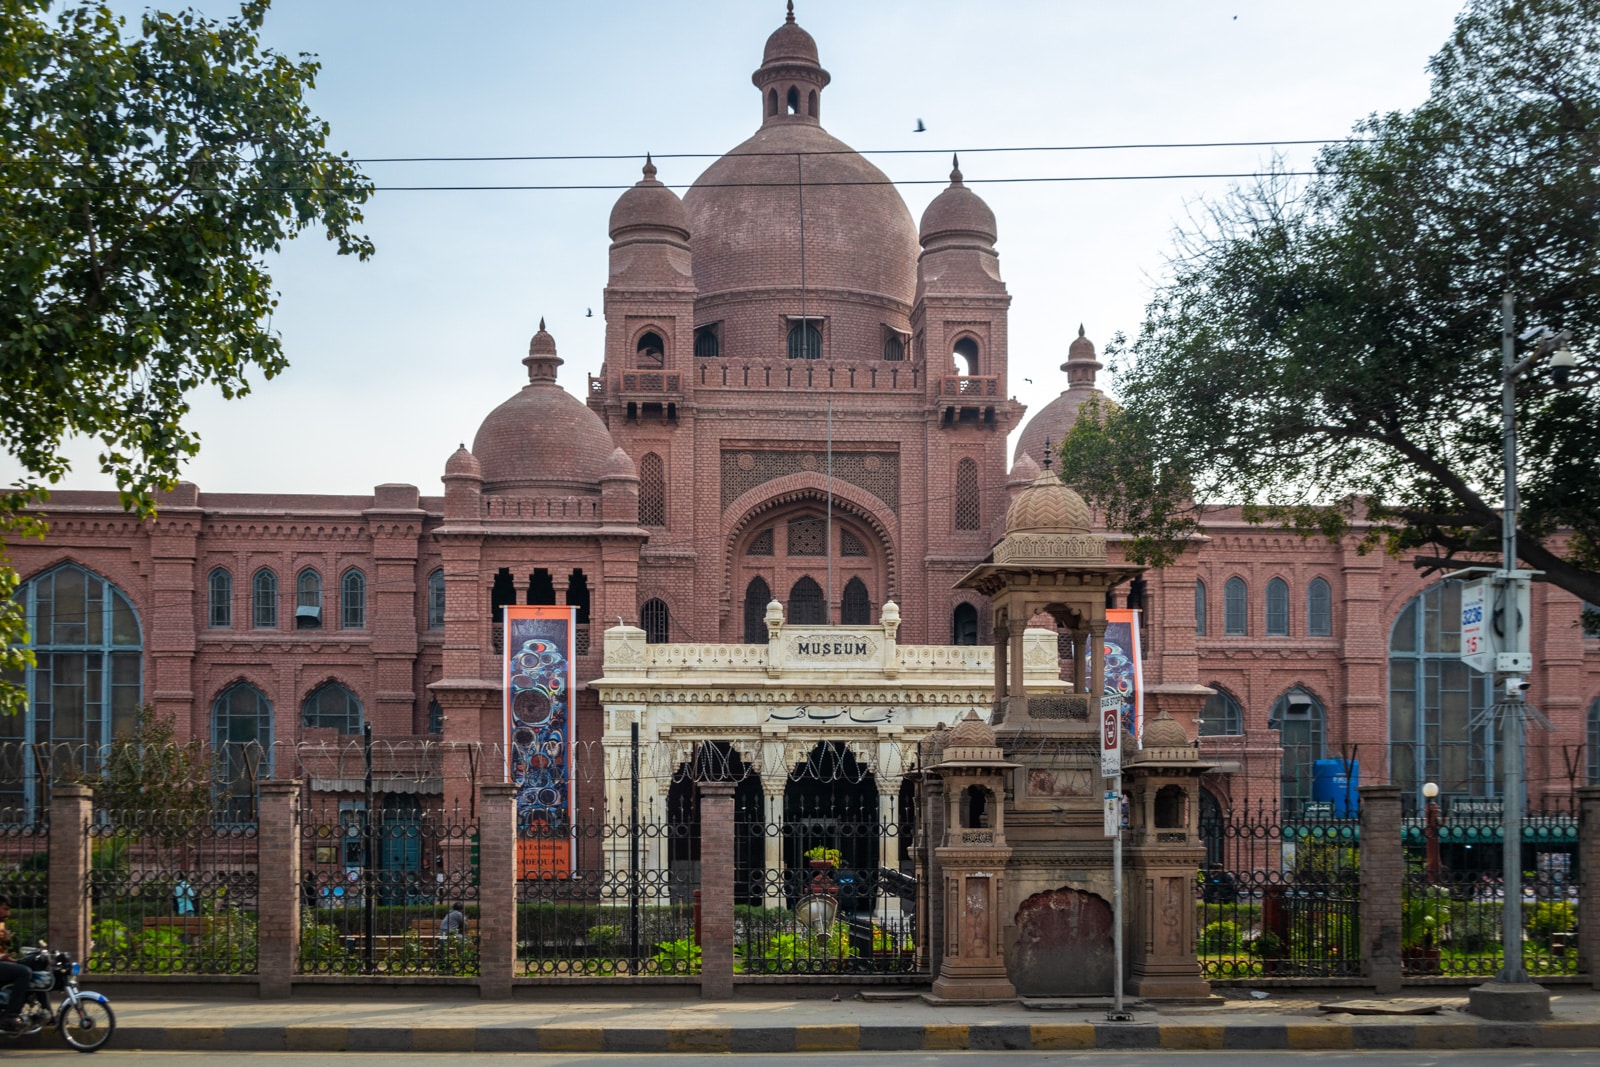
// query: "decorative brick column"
[[68, 923], [278, 888], [716, 890], [930, 876], [1589, 897], [497, 889], [1383, 872]]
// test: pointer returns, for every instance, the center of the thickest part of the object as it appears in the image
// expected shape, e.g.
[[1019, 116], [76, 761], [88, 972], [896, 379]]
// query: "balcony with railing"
[[975, 386]]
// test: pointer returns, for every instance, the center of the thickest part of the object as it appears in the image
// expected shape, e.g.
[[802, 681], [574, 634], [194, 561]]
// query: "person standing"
[[183, 896]]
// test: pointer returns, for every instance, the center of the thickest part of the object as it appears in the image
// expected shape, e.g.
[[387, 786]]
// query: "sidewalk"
[[541, 1021]]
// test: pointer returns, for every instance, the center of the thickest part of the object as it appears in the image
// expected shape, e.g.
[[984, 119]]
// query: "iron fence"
[[381, 884], [25, 872], [171, 892], [1279, 897]]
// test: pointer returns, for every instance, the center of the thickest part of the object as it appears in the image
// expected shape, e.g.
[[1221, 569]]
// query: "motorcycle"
[[85, 1019]]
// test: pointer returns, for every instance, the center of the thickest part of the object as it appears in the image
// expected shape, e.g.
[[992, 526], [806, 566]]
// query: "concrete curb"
[[319, 1037]]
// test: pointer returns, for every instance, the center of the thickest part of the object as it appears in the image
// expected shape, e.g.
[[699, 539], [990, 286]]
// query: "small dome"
[[1051, 422], [958, 211], [1023, 471], [1047, 506], [649, 206], [790, 43], [619, 465], [543, 437], [1165, 732], [462, 464], [971, 732]]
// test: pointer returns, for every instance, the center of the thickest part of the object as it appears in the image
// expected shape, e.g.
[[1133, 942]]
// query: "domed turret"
[[1047, 506], [1054, 419], [649, 211], [463, 485], [462, 464], [957, 214], [958, 235], [543, 437], [791, 78], [1164, 732]]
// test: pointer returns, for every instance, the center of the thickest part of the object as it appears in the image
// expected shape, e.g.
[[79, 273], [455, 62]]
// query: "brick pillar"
[[716, 890], [930, 876], [1383, 871], [68, 910], [278, 887], [1589, 871], [497, 889]]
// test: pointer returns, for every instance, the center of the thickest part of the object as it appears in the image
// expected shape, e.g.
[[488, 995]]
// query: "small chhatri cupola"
[[542, 360], [1082, 364], [791, 78]]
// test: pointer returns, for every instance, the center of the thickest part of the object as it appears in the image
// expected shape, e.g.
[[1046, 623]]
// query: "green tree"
[[144, 179], [152, 775], [1326, 353]]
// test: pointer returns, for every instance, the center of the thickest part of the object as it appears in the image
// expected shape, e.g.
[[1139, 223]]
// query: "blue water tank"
[[1330, 783]]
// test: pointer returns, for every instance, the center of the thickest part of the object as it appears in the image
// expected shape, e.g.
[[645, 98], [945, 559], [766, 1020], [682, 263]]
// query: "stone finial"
[[955, 169], [542, 360]]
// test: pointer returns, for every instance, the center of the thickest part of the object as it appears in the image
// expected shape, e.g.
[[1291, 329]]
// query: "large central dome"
[[744, 211]]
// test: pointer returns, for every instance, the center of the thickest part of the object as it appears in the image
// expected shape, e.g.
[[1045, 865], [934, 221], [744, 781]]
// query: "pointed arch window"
[[654, 620], [436, 600], [806, 604], [757, 595], [965, 356], [308, 600], [964, 625], [1221, 716], [1319, 609], [1277, 608], [1199, 608], [1235, 608], [353, 600], [967, 504], [241, 738], [578, 595], [856, 607], [219, 597], [1300, 720], [805, 340], [652, 491], [332, 707], [651, 351], [707, 345], [264, 600]]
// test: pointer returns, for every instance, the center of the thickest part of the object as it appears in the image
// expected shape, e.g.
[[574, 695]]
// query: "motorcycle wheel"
[[86, 1025]]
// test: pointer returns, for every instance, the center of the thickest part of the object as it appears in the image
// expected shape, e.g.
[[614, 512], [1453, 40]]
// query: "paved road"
[[1497, 1058]]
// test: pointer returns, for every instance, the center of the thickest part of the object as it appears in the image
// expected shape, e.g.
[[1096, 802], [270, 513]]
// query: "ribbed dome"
[[1165, 732], [649, 209], [543, 437], [1047, 506], [462, 464], [790, 42], [744, 219], [970, 732], [958, 212]]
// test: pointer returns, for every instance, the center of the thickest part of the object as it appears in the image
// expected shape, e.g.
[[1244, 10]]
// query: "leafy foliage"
[[151, 776], [144, 178], [1326, 354]]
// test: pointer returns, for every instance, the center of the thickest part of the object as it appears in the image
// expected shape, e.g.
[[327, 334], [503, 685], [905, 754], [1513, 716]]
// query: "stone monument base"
[[1509, 1002]]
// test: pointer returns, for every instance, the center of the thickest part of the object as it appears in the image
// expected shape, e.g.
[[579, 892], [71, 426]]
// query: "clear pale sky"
[[396, 361]]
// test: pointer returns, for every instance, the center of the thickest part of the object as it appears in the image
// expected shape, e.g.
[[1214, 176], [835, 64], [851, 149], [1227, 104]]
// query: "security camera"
[[1534, 333], [1516, 685]]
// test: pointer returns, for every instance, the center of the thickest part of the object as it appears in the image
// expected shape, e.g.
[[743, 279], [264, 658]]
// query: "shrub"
[[1551, 917], [1220, 937], [678, 957]]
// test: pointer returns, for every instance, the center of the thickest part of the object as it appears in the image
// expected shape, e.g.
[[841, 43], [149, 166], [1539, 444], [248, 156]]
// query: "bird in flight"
[[920, 127], [590, 313]]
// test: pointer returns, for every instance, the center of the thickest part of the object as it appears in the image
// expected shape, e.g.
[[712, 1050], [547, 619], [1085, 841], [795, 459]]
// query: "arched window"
[[1277, 608], [968, 513], [964, 625], [264, 600], [966, 356], [794, 100], [1435, 702], [219, 595], [1594, 741], [805, 340], [436, 600], [894, 349], [652, 491], [757, 595], [856, 607], [241, 738], [654, 620], [332, 707], [541, 587], [578, 595], [308, 600], [1299, 719], [772, 101], [1221, 716], [1589, 619], [84, 688], [806, 606], [353, 600], [1235, 608], [706, 344], [1319, 609], [435, 718], [651, 351], [811, 103], [1199, 608]]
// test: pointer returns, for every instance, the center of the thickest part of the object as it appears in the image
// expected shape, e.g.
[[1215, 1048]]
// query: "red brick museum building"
[[804, 398]]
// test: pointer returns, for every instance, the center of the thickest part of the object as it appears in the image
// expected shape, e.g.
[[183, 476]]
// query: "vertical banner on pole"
[[539, 735], [1124, 666]]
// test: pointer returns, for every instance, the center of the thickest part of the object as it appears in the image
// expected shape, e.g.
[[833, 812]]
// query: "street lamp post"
[[1430, 829]]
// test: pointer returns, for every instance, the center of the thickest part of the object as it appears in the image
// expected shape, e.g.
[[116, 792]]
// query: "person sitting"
[[13, 975], [454, 924]]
